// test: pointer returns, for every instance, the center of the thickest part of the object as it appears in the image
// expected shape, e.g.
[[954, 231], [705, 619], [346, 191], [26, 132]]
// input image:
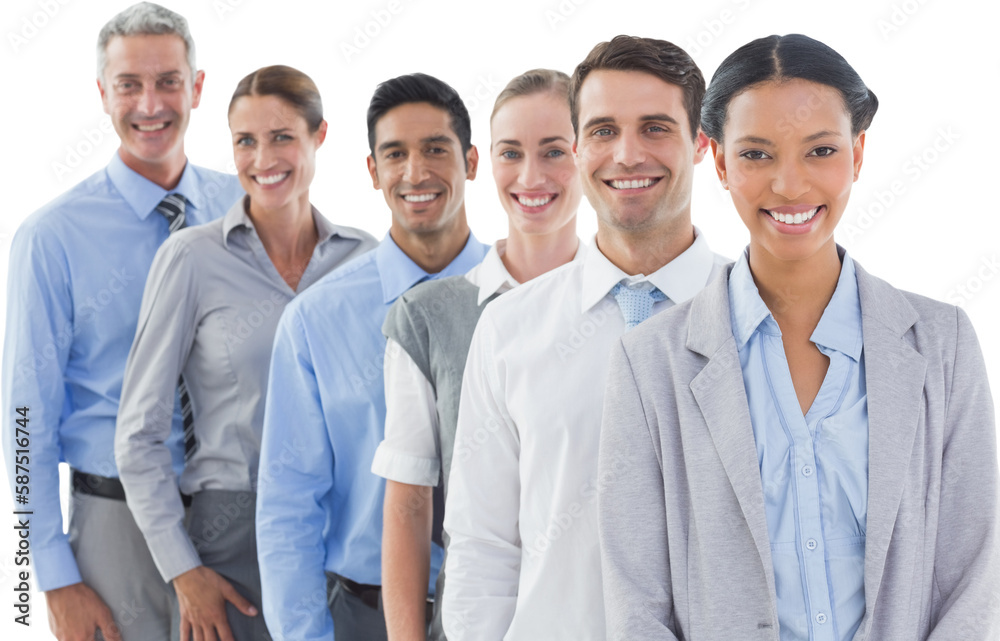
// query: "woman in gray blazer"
[[801, 452]]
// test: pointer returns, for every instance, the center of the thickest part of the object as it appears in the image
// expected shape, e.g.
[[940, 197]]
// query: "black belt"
[[369, 595], [105, 487]]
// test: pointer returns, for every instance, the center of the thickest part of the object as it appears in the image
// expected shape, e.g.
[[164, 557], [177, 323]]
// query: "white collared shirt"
[[523, 561], [411, 451]]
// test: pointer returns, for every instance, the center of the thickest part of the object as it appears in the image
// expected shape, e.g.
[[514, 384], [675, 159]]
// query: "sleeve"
[[631, 515], [483, 563], [296, 477], [39, 334], [162, 343], [411, 451], [967, 559]]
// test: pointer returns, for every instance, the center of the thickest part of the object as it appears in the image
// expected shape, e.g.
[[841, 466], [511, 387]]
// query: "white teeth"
[[419, 198], [270, 180], [534, 202], [151, 127], [793, 219], [632, 184]]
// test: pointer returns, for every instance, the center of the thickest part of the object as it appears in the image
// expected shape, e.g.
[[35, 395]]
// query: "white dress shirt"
[[523, 561], [411, 450]]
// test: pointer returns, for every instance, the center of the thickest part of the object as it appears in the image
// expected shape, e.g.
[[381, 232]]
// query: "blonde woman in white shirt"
[[429, 330]]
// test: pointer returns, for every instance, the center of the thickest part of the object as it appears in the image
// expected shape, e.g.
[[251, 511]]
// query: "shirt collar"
[[237, 217], [746, 308], [143, 195], [680, 279], [398, 272], [491, 275], [838, 329], [840, 326]]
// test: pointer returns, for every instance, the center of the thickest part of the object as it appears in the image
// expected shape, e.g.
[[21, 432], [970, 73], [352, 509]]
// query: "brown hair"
[[532, 82], [660, 58], [287, 83]]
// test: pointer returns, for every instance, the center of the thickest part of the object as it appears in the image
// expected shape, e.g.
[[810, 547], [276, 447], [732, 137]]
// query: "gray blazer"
[[684, 540]]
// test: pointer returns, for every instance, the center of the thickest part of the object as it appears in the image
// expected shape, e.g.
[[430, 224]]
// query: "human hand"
[[202, 596], [76, 613]]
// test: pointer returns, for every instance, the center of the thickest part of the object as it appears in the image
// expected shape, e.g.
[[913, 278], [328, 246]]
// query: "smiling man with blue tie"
[[78, 266], [523, 562]]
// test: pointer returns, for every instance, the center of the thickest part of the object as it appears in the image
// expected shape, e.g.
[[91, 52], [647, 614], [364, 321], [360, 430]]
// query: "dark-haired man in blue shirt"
[[319, 507]]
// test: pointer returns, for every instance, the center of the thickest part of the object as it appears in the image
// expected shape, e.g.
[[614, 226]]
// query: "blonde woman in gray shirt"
[[209, 312]]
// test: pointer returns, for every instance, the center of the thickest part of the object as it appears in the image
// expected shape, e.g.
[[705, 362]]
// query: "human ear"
[[104, 96], [859, 153], [321, 133], [719, 155], [373, 171], [199, 82], [471, 163], [700, 146]]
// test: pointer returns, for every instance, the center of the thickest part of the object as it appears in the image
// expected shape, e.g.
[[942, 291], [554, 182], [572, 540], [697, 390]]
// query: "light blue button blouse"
[[319, 506], [75, 282], [814, 468]]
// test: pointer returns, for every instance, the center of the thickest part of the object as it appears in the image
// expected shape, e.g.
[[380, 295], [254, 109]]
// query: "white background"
[[933, 65]]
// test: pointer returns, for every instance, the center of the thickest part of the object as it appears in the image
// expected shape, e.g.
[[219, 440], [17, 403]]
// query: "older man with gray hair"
[[78, 266]]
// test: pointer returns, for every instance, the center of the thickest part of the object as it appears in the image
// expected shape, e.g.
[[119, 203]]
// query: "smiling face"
[[533, 165], [275, 152], [789, 160], [634, 151], [420, 168], [149, 92]]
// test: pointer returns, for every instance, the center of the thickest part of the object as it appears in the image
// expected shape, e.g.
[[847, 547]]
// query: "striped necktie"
[[636, 303], [172, 207]]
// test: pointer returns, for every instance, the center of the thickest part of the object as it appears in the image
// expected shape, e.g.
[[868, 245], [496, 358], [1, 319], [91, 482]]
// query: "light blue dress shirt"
[[77, 271], [814, 469], [319, 506]]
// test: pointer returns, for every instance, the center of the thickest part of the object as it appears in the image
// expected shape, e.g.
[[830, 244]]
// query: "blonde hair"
[[532, 82]]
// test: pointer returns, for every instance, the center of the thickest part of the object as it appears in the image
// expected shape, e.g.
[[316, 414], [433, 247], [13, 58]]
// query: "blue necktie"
[[636, 303], [172, 207]]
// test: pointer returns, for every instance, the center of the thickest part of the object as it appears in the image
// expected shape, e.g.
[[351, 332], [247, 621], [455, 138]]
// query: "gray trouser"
[[221, 526], [435, 629], [115, 562], [353, 619]]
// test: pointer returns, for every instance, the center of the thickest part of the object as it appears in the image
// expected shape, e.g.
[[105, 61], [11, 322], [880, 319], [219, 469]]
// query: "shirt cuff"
[[55, 566], [406, 468], [173, 552]]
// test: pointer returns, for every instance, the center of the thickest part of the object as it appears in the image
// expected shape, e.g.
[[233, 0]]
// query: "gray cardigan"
[[434, 322], [684, 541]]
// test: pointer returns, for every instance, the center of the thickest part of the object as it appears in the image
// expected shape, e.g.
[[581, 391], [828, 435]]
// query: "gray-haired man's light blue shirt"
[[77, 270]]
